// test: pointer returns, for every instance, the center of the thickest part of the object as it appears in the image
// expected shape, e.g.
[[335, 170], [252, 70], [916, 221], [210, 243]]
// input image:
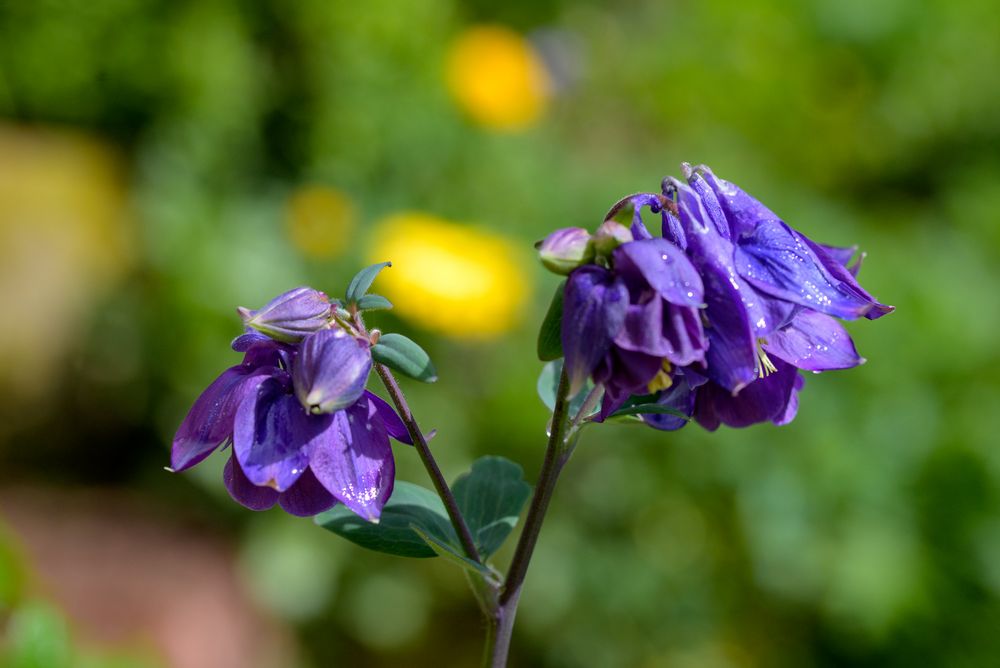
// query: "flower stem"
[[556, 454], [420, 443]]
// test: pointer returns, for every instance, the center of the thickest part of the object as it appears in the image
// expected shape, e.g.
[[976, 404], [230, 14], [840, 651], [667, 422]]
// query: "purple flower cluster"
[[715, 317], [305, 432]]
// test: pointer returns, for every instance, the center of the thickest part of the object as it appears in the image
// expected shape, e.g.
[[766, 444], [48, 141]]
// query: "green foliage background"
[[865, 533]]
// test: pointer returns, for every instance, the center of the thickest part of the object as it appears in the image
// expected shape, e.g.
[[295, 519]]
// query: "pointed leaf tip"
[[363, 280]]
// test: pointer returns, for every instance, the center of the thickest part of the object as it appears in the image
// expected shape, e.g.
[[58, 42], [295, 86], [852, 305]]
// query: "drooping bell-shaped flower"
[[331, 370], [291, 316]]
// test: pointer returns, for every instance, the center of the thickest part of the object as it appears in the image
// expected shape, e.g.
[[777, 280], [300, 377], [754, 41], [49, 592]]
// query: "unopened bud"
[[609, 236], [291, 316], [566, 249]]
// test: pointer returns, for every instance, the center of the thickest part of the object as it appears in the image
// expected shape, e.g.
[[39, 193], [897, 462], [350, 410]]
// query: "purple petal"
[[846, 276], [307, 497], [680, 396], [732, 352], [814, 342], [594, 308], [290, 316], [393, 423], [672, 231], [766, 399], [711, 203], [643, 328], [792, 408], [627, 370], [638, 228], [838, 254], [743, 212], [273, 436], [210, 420], [684, 335], [664, 267], [353, 460], [245, 492], [331, 370], [614, 397], [779, 262]]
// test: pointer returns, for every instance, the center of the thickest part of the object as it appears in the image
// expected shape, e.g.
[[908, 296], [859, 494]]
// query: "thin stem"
[[420, 443], [555, 458]]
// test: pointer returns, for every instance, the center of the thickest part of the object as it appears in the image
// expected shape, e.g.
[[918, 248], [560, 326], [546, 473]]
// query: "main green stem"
[[502, 620], [420, 443]]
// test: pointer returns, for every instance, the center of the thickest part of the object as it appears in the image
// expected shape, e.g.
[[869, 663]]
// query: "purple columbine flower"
[[305, 432], [771, 295], [629, 323], [291, 316]]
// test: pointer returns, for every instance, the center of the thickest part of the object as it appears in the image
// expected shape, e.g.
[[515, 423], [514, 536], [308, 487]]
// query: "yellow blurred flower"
[[497, 78], [448, 277], [320, 221]]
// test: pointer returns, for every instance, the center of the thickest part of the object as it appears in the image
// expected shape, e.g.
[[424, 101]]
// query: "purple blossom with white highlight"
[[305, 432]]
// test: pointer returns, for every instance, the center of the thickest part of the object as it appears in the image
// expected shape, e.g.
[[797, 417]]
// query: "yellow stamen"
[[766, 366], [661, 380]]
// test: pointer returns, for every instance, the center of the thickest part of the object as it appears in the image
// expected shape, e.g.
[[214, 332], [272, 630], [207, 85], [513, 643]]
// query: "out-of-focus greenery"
[[865, 533]]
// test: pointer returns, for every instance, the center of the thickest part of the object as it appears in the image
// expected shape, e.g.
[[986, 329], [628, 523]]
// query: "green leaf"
[[403, 355], [491, 496], [409, 506], [548, 385], [550, 333], [363, 280], [374, 303], [646, 405]]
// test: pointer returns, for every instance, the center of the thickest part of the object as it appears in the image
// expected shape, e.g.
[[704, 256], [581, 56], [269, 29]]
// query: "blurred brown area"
[[128, 575]]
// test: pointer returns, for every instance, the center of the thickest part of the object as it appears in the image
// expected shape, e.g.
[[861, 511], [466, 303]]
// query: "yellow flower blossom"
[[497, 78], [450, 278], [320, 221]]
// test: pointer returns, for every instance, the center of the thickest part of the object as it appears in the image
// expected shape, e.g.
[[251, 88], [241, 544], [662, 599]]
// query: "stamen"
[[662, 379], [765, 367]]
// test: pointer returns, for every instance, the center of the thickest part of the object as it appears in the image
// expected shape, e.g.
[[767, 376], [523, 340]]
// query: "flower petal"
[[307, 497], [393, 423], [627, 370], [594, 308], [331, 370], [743, 212], [672, 231], [664, 267], [273, 436], [814, 342], [684, 334], [778, 261], [210, 420], [847, 277], [732, 353], [245, 492], [762, 400], [711, 203], [643, 328], [680, 396], [353, 459]]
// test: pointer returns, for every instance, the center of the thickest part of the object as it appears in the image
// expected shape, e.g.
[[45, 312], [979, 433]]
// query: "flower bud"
[[291, 316], [331, 370], [609, 236], [566, 249]]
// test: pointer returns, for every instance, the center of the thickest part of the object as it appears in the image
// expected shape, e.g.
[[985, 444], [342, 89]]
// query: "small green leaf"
[[646, 405], [410, 505], [491, 496], [403, 355], [550, 333], [373, 303], [363, 280], [548, 385]]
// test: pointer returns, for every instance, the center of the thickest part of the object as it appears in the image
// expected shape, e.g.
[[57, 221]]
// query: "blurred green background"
[[163, 162]]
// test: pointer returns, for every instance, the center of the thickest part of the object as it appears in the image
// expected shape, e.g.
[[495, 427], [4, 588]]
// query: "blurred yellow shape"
[[64, 240], [497, 78], [320, 221], [448, 277]]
